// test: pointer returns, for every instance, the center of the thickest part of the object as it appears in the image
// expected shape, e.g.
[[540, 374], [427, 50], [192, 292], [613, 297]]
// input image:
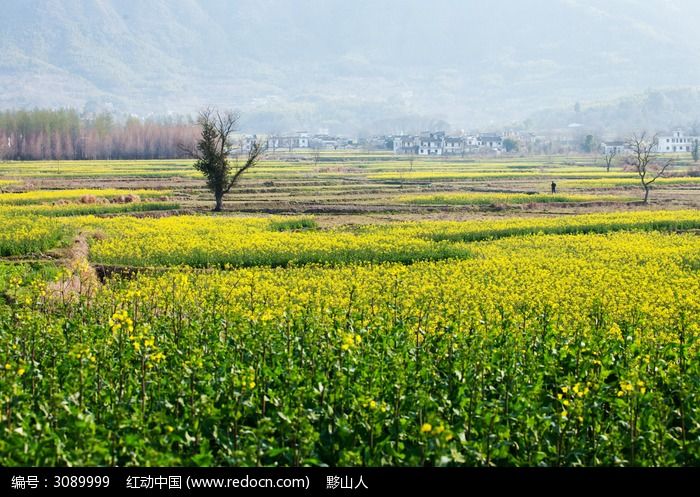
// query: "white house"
[[471, 143], [613, 147], [454, 145], [303, 139], [491, 142], [405, 144], [431, 144], [675, 143], [300, 140]]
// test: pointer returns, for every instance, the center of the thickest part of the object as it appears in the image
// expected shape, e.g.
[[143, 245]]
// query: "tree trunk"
[[646, 194], [219, 202]]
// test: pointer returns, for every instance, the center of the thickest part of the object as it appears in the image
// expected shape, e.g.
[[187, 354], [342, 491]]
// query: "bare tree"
[[645, 162], [214, 149], [609, 157], [695, 151], [316, 156]]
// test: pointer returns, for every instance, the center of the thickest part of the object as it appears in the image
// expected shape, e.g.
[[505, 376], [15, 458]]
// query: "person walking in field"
[[554, 188]]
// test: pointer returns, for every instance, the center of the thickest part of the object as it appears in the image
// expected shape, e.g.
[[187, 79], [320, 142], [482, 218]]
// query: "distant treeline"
[[66, 135]]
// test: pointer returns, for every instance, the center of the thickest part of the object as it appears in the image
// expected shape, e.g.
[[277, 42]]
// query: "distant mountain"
[[651, 111], [344, 65]]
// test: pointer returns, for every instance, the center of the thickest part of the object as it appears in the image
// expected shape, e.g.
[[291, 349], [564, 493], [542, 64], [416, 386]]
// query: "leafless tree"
[[609, 157], [214, 149], [645, 162], [316, 156]]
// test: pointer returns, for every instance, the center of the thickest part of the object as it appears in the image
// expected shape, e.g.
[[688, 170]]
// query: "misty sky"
[[345, 65]]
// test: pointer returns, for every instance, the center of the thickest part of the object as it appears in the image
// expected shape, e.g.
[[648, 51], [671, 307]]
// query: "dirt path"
[[80, 278]]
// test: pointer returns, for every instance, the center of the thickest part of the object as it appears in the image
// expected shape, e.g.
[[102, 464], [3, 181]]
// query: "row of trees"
[[66, 135]]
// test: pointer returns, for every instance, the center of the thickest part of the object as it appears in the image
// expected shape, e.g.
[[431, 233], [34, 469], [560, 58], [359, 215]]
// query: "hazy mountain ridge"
[[651, 111], [348, 66]]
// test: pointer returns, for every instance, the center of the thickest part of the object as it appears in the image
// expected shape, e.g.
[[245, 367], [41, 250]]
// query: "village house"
[[298, 141], [437, 143], [325, 141], [431, 143], [675, 143], [405, 144], [615, 147], [490, 142], [454, 145], [471, 143]]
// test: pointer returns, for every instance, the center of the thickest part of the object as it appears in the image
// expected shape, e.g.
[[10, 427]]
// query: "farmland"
[[349, 309]]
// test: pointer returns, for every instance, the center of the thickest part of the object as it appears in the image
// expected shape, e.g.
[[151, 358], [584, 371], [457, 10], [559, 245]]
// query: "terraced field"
[[358, 309]]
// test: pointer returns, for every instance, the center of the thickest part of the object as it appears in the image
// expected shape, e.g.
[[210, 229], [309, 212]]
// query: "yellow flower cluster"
[[121, 322], [20, 369], [82, 352], [374, 406], [436, 174], [534, 281], [607, 182], [219, 241], [583, 223], [44, 196], [629, 387], [143, 341], [102, 168], [350, 340], [438, 431], [20, 235], [476, 198], [244, 380], [572, 400]]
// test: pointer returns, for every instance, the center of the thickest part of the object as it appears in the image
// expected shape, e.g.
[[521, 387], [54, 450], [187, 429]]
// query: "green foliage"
[[294, 224], [212, 161], [510, 145]]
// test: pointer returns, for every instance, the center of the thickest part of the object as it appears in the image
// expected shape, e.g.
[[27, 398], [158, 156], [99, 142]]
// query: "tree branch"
[[668, 164], [255, 153], [188, 151]]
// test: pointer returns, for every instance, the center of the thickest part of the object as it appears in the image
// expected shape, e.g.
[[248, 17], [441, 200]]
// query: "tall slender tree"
[[214, 152]]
